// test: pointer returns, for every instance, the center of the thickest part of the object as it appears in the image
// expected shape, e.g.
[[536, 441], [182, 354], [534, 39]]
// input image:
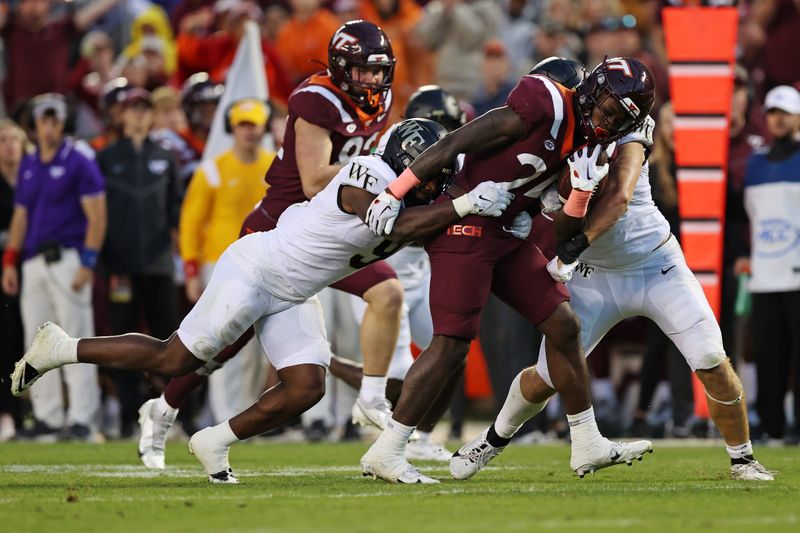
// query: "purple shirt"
[[51, 193]]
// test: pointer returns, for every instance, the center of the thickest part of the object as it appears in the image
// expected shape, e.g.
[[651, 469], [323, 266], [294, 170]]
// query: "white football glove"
[[559, 271], [488, 199], [550, 200], [520, 226], [643, 134], [584, 173], [382, 213]]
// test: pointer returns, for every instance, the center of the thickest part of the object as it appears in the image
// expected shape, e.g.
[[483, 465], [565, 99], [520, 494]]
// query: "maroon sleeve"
[[315, 108], [531, 100]]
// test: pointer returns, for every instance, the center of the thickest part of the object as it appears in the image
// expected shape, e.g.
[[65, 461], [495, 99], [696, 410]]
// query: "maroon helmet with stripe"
[[627, 81], [359, 43]]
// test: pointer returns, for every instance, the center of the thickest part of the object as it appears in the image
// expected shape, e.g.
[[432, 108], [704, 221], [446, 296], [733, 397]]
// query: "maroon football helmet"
[[359, 43], [628, 82]]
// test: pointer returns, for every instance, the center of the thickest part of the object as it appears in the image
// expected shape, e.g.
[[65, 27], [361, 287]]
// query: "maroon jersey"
[[352, 133], [530, 164]]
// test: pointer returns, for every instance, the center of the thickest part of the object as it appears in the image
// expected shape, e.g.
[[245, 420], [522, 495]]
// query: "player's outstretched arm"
[[491, 130], [622, 178], [419, 223]]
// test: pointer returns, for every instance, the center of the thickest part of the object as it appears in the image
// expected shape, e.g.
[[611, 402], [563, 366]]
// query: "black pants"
[[776, 343], [11, 350], [154, 299], [658, 349]]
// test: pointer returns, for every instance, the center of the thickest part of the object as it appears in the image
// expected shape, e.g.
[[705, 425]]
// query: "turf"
[[306, 487]]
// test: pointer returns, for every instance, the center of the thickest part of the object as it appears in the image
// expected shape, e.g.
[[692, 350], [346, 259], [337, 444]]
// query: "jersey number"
[[539, 167], [354, 146], [382, 251]]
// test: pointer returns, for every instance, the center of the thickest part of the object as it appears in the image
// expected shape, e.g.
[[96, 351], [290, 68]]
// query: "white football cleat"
[[154, 425], [374, 413], [605, 453], [752, 471], [392, 468], [214, 458], [39, 358], [426, 450], [473, 456]]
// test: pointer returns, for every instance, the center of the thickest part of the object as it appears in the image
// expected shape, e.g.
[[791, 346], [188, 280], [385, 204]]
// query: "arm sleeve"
[[531, 100], [196, 206], [90, 179], [315, 109]]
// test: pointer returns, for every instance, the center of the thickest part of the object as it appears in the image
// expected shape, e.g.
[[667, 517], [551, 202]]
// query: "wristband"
[[578, 203], [89, 258], [404, 183], [191, 269], [10, 257], [462, 205], [568, 251]]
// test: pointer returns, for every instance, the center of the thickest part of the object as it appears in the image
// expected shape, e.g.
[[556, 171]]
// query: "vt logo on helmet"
[[362, 47], [615, 98], [406, 142]]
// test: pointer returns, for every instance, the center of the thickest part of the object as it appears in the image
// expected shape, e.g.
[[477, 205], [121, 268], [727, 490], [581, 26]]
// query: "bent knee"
[[563, 326], [386, 297], [450, 350]]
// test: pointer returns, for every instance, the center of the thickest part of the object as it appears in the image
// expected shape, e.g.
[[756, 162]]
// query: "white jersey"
[[640, 230], [316, 243]]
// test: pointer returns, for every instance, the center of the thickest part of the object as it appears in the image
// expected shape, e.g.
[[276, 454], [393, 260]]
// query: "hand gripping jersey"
[[530, 164], [316, 243], [641, 228], [352, 133]]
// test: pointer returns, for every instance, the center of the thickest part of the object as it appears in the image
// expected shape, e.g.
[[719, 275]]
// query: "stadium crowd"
[[115, 98]]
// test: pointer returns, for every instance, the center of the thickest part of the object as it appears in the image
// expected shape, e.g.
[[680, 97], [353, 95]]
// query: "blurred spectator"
[[186, 8], [151, 32], [517, 27], [168, 121], [214, 53], [275, 16], [414, 67], [346, 10], [58, 227], [87, 79], [110, 101], [497, 82], [143, 197], [594, 12], [747, 133], [780, 20], [555, 39], [28, 33], [221, 194], [772, 194], [303, 41], [457, 30], [199, 98], [12, 147]]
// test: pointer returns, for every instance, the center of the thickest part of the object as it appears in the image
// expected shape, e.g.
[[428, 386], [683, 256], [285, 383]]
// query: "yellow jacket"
[[221, 194]]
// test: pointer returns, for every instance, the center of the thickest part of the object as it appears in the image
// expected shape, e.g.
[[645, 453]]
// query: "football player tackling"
[[269, 279]]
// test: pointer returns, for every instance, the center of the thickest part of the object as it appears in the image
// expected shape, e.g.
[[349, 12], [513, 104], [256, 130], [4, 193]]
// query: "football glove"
[[382, 214], [584, 173]]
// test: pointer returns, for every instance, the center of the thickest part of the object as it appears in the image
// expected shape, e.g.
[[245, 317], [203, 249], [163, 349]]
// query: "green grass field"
[[306, 487]]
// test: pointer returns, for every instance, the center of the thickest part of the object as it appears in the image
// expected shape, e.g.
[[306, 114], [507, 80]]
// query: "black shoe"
[[40, 432], [316, 432], [79, 432], [351, 432]]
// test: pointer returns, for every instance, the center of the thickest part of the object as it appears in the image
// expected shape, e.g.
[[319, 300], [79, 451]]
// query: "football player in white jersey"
[[621, 260], [269, 279]]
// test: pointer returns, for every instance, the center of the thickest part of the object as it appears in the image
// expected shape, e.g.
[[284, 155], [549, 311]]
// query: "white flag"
[[246, 79]]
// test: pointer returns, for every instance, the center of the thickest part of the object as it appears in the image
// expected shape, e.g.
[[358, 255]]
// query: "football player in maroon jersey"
[[523, 143]]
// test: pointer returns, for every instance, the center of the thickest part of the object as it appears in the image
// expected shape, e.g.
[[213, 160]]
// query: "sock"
[[583, 427], [741, 453], [162, 409], [372, 387], [179, 389], [496, 440], [222, 434], [515, 412], [66, 350], [394, 438]]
